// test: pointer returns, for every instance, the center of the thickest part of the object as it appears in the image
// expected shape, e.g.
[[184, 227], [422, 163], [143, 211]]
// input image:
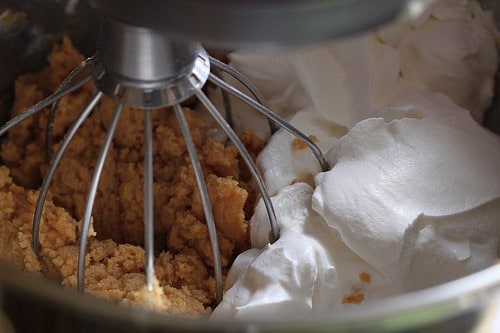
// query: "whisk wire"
[[226, 101], [96, 176], [205, 200], [246, 157], [268, 113], [31, 111], [238, 76], [219, 65], [148, 199], [52, 114], [52, 169]]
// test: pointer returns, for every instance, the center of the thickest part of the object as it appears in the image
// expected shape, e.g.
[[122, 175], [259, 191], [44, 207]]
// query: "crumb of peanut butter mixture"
[[115, 259]]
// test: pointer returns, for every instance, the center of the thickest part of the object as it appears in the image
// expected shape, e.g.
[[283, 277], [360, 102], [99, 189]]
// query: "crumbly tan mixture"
[[115, 260], [298, 144], [357, 295], [365, 277]]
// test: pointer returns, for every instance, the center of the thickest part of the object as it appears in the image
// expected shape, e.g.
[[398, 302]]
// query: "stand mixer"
[[150, 57], [137, 79]]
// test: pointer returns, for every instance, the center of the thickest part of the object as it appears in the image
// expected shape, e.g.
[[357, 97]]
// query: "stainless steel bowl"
[[34, 305], [42, 306]]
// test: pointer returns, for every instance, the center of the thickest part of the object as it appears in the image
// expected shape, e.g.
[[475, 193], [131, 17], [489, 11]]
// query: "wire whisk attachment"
[[143, 68]]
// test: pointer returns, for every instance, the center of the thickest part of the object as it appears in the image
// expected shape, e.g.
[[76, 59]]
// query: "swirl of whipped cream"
[[387, 175], [409, 203]]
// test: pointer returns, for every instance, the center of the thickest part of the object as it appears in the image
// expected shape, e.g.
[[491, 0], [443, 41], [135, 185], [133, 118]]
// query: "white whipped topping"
[[450, 50], [427, 216], [361, 72], [386, 175], [413, 196], [298, 273]]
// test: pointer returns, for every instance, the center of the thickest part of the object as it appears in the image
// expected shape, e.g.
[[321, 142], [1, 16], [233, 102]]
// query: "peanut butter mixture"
[[115, 259]]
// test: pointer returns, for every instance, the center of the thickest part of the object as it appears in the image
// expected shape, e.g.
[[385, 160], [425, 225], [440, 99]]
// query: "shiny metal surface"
[[229, 24], [452, 307], [141, 67]]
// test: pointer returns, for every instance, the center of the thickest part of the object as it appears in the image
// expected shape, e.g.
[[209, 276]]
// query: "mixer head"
[[227, 24], [150, 57]]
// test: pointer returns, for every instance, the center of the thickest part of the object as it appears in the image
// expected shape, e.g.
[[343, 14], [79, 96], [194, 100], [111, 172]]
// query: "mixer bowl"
[[34, 305]]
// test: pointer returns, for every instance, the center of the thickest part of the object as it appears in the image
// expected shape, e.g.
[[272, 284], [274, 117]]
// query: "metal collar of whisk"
[[140, 67]]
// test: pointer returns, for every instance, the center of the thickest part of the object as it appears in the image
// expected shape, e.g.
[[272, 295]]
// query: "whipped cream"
[[409, 203], [450, 47], [413, 196]]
